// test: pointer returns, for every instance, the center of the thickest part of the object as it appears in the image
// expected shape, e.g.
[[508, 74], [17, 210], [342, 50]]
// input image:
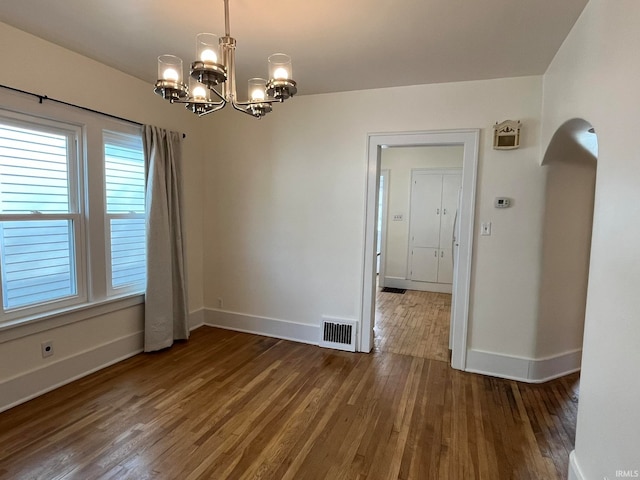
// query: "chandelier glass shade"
[[212, 78]]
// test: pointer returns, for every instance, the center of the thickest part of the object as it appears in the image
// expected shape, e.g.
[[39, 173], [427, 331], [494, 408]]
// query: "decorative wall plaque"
[[506, 135]]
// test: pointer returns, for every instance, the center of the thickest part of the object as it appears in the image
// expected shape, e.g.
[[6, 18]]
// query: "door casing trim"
[[470, 140]]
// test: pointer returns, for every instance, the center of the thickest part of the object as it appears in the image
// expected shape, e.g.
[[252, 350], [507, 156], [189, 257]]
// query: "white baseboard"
[[523, 369], [26, 386], [196, 319], [270, 327], [574, 470], [556, 366], [398, 282]]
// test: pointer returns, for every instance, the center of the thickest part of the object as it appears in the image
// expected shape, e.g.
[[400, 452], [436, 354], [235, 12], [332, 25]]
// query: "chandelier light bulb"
[[257, 89], [170, 74], [208, 56], [170, 68], [280, 73], [207, 46], [279, 66], [257, 95], [199, 93]]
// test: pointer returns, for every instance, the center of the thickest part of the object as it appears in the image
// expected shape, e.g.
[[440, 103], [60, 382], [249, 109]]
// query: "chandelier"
[[215, 65]]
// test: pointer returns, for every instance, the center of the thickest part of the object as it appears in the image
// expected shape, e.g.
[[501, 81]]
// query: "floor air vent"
[[394, 290], [338, 334]]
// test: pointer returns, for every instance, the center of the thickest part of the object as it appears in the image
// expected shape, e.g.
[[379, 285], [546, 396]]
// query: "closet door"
[[450, 187], [426, 192], [424, 264], [424, 227], [445, 265], [434, 200]]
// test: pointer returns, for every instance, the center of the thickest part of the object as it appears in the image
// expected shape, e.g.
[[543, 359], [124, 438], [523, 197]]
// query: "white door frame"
[[469, 139]]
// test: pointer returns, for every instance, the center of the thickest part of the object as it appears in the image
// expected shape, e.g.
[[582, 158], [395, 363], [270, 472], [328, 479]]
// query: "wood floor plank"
[[239, 406]]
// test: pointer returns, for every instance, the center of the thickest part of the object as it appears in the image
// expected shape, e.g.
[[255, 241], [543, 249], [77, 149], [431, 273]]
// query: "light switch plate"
[[485, 229]]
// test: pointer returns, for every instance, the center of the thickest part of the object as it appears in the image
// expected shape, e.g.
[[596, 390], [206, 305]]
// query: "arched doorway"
[[570, 161]]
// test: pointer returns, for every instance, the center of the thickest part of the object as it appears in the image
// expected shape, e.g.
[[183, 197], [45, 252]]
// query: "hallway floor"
[[414, 323]]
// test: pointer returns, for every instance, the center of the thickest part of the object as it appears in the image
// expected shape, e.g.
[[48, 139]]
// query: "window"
[[40, 220], [72, 213], [125, 188]]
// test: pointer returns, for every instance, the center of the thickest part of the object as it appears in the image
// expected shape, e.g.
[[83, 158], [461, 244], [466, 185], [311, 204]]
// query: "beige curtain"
[[166, 316]]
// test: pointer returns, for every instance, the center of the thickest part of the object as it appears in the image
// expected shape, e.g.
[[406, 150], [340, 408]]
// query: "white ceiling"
[[336, 45]]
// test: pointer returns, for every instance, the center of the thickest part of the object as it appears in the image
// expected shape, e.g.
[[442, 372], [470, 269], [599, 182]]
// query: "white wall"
[[31, 64], [565, 253], [285, 206], [400, 161], [594, 77]]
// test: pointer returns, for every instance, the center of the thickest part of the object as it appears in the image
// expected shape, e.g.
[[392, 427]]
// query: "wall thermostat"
[[502, 202]]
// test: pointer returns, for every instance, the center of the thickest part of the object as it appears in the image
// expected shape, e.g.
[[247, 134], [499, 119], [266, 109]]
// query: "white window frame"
[[76, 213], [94, 298], [116, 138]]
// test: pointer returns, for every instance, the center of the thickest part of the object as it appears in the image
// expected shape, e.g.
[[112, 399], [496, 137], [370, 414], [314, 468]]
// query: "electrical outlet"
[[47, 348]]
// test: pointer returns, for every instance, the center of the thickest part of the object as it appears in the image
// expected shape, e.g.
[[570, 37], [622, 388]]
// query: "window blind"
[[36, 220], [33, 171], [125, 199]]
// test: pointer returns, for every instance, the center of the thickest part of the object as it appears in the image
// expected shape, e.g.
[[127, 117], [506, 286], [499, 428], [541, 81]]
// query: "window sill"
[[23, 327]]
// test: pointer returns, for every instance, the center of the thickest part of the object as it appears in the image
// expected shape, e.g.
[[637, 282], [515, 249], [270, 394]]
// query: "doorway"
[[469, 140], [571, 164]]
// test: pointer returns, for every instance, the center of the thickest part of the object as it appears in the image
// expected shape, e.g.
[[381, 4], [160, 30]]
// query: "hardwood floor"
[[414, 323], [230, 405]]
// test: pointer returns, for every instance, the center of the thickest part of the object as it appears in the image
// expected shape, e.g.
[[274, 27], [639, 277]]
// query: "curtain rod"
[[42, 98]]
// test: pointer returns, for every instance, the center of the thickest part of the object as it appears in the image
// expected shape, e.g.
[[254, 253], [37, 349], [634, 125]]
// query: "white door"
[[450, 188], [434, 200], [424, 221], [424, 264], [424, 227], [454, 261], [445, 265]]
